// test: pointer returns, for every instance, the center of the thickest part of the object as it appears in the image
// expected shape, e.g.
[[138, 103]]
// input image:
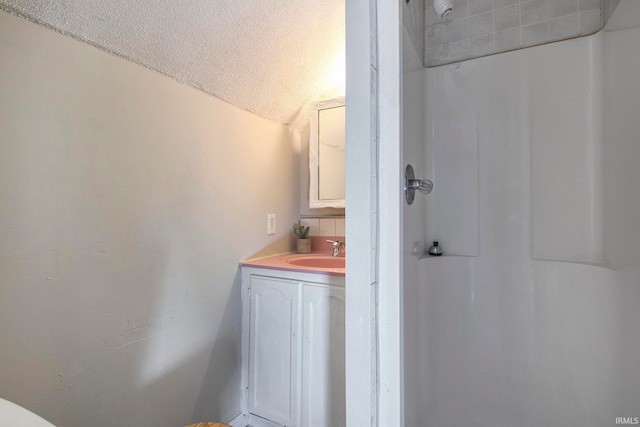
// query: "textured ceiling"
[[271, 57]]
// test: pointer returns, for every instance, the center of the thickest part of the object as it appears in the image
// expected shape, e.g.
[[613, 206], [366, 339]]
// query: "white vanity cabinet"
[[273, 349], [294, 363], [323, 356]]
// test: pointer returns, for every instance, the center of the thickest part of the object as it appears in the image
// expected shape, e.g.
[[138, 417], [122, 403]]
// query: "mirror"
[[327, 155]]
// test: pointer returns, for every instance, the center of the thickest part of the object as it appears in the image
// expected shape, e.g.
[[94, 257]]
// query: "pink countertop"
[[286, 262]]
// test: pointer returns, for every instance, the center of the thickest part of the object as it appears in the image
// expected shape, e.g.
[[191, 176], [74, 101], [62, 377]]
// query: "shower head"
[[442, 7]]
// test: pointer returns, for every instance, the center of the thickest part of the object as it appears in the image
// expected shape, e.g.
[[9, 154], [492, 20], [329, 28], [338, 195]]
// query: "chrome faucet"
[[336, 246]]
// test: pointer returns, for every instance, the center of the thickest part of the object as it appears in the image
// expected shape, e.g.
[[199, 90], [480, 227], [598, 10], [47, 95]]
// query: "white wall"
[[516, 335], [126, 202]]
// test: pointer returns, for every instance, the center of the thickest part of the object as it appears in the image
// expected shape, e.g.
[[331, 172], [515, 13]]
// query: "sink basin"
[[317, 261]]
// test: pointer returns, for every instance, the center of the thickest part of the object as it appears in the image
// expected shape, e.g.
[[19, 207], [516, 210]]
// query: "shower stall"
[[531, 317]]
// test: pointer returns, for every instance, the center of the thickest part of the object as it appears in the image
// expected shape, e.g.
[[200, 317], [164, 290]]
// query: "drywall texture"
[[271, 58], [126, 202], [506, 339]]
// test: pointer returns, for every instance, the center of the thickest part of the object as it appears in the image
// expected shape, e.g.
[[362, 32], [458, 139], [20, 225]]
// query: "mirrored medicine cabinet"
[[327, 154]]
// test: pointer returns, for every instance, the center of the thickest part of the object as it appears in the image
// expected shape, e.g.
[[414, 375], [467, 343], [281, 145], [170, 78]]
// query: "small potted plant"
[[303, 243]]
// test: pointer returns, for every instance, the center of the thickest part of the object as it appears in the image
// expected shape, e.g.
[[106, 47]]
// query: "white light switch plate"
[[271, 224]]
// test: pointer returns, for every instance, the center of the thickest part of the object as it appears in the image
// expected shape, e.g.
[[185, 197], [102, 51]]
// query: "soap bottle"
[[435, 250]]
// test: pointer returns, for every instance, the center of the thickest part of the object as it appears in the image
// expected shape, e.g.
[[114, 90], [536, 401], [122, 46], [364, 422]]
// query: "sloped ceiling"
[[270, 57]]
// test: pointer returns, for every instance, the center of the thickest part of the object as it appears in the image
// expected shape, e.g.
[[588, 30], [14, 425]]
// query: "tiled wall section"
[[413, 21], [483, 27], [325, 226]]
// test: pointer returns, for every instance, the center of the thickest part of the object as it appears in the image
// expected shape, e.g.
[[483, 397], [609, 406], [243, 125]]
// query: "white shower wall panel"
[[622, 150], [516, 336], [531, 122], [564, 81], [541, 350], [452, 162], [413, 216], [622, 188]]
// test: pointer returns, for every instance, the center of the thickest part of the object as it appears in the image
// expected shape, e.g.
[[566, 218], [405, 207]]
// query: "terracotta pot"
[[304, 246]]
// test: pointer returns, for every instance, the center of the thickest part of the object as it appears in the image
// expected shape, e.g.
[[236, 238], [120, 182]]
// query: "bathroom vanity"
[[293, 343]]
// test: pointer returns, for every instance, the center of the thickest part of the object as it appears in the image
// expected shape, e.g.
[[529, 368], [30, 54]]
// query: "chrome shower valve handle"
[[422, 185], [411, 184]]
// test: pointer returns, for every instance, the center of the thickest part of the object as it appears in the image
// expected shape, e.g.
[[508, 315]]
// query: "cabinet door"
[[273, 347], [323, 357]]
